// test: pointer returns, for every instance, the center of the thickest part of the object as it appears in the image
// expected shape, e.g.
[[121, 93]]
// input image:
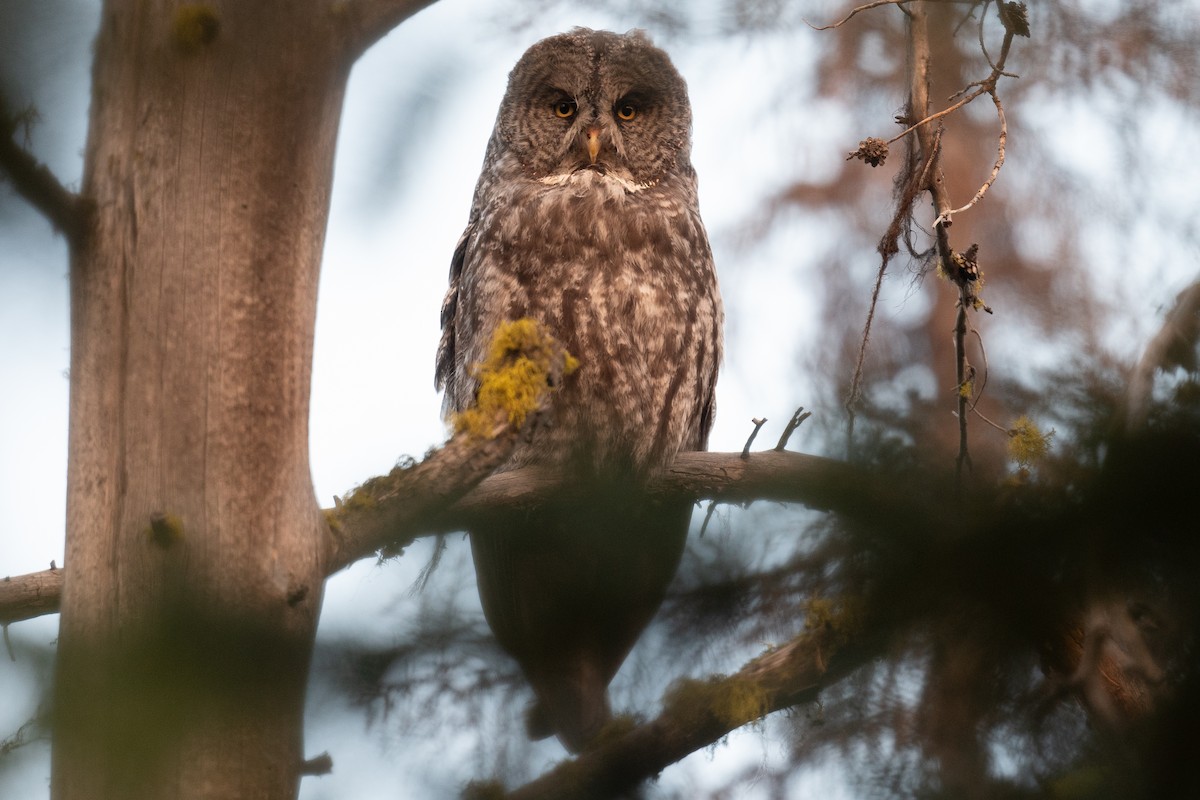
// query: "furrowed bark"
[[194, 542]]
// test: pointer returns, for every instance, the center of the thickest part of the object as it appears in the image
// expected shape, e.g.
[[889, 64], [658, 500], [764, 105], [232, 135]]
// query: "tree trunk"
[[195, 546]]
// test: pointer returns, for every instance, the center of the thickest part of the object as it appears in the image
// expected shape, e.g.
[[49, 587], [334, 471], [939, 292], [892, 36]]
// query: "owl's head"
[[596, 100]]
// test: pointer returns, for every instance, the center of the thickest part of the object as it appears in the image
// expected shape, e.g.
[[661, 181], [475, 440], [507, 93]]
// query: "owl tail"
[[572, 704]]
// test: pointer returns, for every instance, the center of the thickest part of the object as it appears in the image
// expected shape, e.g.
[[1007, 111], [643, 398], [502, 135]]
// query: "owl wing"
[[708, 410], [446, 370]]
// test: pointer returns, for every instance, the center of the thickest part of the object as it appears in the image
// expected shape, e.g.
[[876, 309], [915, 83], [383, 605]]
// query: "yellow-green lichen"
[[842, 617], [522, 363], [194, 26], [731, 700], [1026, 443]]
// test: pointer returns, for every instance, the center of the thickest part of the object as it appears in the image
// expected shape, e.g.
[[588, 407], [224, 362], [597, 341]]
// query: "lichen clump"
[[522, 363], [1027, 445], [733, 701], [843, 618]]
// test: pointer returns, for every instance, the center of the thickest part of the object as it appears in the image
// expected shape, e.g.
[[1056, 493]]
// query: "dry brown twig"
[[961, 268], [854, 13], [1012, 16]]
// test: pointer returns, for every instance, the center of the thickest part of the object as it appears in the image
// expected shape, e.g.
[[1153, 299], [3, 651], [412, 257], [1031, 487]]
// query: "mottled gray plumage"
[[585, 218]]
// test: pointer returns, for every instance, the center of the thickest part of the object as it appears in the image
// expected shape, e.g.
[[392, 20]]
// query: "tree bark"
[[195, 544]]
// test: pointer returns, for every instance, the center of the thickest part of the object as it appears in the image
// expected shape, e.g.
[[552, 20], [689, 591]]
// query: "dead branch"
[[855, 12], [987, 184], [1174, 343], [35, 182], [985, 86], [699, 713], [758, 423], [795, 422], [29, 596]]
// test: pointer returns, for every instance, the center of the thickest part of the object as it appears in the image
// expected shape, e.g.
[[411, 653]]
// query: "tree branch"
[[28, 596], [1174, 343], [699, 713], [35, 182], [416, 504], [448, 492], [368, 21], [388, 512]]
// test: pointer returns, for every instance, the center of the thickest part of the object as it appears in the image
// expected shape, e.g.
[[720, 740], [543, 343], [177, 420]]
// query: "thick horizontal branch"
[[450, 489], [36, 183], [28, 596], [389, 511], [821, 483], [697, 714]]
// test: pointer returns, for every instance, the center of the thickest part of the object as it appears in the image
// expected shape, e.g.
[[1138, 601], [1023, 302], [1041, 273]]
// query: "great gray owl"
[[585, 219]]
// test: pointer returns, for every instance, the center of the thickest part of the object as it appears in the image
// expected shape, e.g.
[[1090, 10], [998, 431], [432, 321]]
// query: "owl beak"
[[593, 143]]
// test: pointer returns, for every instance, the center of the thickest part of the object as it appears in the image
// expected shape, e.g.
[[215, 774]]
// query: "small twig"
[[978, 393], [24, 735], [855, 12], [795, 422], [964, 456], [708, 515], [852, 397], [967, 17], [758, 423], [985, 86], [982, 45], [991, 422], [1003, 139], [8, 645], [317, 765], [936, 115], [888, 247]]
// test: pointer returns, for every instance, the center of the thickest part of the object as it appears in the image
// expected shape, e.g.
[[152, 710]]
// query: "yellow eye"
[[626, 112], [564, 109]]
